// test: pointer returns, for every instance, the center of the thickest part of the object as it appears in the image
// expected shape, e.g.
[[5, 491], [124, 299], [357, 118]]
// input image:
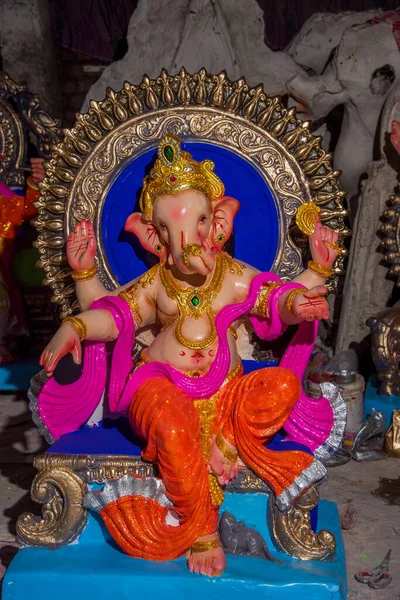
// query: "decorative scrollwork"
[[20, 112], [61, 483], [60, 491], [292, 531], [390, 236], [385, 328], [196, 107], [95, 468], [385, 342]]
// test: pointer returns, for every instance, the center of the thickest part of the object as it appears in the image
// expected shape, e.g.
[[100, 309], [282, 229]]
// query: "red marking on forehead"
[[177, 212]]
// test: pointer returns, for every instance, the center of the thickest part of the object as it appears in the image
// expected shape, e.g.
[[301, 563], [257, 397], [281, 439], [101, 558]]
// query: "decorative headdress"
[[175, 171]]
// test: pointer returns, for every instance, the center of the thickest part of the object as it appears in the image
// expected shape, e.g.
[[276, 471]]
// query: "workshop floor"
[[372, 488]]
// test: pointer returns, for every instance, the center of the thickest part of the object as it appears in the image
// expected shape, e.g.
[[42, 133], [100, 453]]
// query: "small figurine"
[[240, 540], [379, 577], [187, 397]]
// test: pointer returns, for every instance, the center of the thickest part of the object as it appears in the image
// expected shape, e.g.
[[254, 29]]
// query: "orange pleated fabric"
[[166, 418], [251, 409]]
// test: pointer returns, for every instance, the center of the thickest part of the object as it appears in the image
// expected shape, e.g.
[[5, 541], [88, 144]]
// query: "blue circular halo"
[[256, 226]]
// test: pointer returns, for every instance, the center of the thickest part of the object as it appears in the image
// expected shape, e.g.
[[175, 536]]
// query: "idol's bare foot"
[[211, 562], [223, 468]]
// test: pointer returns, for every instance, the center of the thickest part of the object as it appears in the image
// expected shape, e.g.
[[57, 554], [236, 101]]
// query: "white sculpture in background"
[[360, 74], [352, 62], [367, 286], [217, 35]]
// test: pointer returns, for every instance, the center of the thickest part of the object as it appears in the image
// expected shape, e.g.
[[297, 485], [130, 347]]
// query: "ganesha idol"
[[200, 417]]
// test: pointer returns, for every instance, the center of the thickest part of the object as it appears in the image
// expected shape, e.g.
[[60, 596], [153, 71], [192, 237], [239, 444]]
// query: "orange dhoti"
[[249, 410]]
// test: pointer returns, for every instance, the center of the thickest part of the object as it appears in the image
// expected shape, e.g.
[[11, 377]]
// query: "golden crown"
[[175, 171]]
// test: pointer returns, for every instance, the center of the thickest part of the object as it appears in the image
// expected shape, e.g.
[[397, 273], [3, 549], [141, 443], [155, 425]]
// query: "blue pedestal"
[[17, 375], [373, 401], [94, 568]]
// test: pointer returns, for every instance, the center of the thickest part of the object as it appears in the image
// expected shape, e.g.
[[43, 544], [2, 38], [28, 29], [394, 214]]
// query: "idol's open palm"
[[312, 304], [81, 246]]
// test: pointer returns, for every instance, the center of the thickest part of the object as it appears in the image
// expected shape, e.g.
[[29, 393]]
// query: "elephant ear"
[[146, 233], [224, 214]]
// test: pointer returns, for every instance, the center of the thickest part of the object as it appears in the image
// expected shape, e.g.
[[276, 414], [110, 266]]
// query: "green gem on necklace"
[[169, 153], [195, 301]]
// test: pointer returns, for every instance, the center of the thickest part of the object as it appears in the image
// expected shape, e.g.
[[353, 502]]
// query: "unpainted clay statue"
[[359, 76]]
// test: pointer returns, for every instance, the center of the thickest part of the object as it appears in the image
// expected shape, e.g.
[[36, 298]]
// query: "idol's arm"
[[97, 325], [81, 250], [312, 304]]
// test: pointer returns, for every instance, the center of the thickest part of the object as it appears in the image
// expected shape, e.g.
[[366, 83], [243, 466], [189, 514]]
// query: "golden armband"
[[263, 297], [129, 296]]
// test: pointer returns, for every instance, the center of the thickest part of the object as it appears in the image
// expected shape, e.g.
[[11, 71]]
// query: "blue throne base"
[[93, 567]]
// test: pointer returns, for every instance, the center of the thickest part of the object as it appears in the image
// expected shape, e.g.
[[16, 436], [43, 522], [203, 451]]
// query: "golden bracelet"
[[204, 546], [85, 275], [319, 269], [222, 447], [31, 184], [79, 325], [290, 298]]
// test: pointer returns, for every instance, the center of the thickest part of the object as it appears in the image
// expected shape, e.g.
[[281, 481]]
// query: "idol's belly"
[[167, 349]]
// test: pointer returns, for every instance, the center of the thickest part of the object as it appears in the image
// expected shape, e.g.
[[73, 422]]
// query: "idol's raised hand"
[[37, 169], [81, 246], [323, 245]]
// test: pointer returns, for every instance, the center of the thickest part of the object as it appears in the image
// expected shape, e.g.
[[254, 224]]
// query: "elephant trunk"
[[192, 257]]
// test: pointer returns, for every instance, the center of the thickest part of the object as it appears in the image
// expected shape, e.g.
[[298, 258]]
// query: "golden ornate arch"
[[20, 112], [385, 327], [198, 107], [390, 236]]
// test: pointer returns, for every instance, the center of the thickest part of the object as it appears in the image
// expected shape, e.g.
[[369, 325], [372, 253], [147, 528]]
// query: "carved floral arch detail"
[[201, 107]]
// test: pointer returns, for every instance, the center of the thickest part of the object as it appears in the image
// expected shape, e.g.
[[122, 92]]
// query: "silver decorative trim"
[[315, 472], [37, 382], [339, 407], [128, 485]]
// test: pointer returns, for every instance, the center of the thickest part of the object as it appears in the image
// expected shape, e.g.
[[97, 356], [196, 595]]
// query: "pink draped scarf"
[[65, 408]]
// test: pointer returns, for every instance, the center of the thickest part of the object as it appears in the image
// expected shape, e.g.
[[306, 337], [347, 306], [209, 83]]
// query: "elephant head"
[[186, 229], [186, 219]]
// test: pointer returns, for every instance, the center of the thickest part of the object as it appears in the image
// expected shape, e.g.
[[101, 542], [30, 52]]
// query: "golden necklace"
[[195, 302]]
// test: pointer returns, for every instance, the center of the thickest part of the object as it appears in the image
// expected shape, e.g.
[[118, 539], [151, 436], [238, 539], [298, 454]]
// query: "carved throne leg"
[[292, 533], [61, 492]]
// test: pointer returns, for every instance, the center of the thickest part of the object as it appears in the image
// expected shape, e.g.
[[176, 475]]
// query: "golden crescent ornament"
[[307, 217]]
